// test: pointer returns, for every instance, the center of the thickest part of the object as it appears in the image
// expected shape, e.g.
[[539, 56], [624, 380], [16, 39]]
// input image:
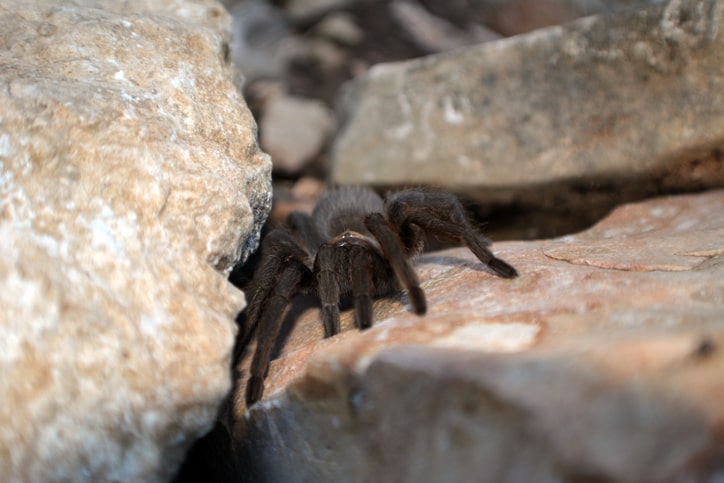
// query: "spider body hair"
[[355, 246], [345, 209]]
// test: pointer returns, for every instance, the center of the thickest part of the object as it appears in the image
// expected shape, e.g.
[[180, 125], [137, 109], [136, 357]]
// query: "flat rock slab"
[[589, 114], [602, 361]]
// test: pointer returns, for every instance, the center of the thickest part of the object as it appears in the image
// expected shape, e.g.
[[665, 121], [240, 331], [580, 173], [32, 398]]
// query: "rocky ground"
[[131, 183], [602, 361], [583, 367]]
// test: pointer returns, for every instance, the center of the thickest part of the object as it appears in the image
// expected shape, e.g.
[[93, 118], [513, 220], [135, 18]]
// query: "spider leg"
[[262, 283], [287, 285], [443, 215], [328, 288], [360, 271], [393, 250], [281, 273]]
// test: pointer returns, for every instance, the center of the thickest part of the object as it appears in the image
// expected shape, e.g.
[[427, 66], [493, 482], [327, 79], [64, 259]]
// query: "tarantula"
[[355, 246]]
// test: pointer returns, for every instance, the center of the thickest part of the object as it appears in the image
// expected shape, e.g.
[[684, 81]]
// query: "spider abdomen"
[[345, 210]]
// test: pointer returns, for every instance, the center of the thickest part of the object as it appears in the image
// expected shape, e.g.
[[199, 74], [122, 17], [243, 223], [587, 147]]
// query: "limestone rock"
[[604, 109], [602, 361], [129, 171]]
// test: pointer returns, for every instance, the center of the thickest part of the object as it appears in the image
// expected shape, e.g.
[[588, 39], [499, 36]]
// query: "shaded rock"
[[129, 171], [514, 17], [294, 131], [600, 362], [521, 16], [434, 34], [308, 10], [341, 28], [302, 196], [258, 33], [577, 117]]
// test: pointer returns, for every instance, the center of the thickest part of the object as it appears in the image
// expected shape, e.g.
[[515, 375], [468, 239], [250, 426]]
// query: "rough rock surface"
[[601, 362], [129, 170], [604, 109]]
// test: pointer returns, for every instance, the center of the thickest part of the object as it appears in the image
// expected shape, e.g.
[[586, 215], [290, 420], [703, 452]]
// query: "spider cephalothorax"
[[355, 247]]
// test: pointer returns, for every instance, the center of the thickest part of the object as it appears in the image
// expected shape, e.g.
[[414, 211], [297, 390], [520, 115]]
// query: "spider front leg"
[[328, 287], [392, 248], [281, 275], [360, 273], [440, 214], [269, 326]]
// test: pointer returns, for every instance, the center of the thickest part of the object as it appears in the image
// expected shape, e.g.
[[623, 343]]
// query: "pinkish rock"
[[602, 361]]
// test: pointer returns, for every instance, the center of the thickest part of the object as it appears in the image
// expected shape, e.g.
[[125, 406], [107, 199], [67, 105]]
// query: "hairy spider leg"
[[360, 272], [392, 249], [328, 288], [261, 285], [443, 215], [279, 277], [287, 285]]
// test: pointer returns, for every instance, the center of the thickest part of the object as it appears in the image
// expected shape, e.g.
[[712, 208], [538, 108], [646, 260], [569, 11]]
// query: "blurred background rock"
[[295, 59]]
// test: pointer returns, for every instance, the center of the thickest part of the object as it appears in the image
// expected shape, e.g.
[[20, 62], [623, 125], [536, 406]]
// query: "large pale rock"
[[602, 361], [129, 171], [578, 116]]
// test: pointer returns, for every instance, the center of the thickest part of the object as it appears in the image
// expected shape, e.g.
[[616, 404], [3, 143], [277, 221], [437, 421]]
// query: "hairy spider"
[[354, 247]]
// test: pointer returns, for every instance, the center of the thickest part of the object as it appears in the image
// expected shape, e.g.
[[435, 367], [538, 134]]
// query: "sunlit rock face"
[[130, 183]]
